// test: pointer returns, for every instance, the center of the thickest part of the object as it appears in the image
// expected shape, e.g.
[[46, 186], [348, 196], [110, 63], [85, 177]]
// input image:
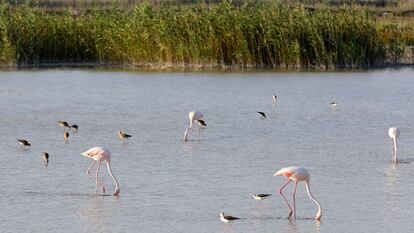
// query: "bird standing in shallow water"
[[24, 144], [394, 133], [260, 197], [297, 174], [64, 125], [65, 136], [75, 128], [227, 219], [123, 136], [101, 154], [262, 115], [46, 157], [333, 103], [194, 116], [274, 97]]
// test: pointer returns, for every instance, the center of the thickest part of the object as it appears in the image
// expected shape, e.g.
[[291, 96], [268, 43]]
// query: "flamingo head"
[[319, 215], [117, 191]]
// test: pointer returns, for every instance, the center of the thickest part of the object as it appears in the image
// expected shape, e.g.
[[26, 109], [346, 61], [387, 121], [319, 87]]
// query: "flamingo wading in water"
[[101, 154], [394, 133], [297, 174], [194, 116]]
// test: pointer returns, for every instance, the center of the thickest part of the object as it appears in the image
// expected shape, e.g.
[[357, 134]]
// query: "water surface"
[[168, 185]]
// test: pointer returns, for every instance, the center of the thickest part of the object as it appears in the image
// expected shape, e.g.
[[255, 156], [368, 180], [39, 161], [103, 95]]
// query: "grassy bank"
[[217, 35]]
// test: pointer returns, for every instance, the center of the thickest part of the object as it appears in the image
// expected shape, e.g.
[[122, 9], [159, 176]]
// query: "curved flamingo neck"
[[117, 189], [319, 214]]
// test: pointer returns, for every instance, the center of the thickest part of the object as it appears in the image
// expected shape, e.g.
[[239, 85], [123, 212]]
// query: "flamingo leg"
[[89, 174], [294, 199], [97, 181], [284, 198]]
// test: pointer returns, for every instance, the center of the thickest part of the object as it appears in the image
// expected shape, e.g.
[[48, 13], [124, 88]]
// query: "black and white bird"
[[64, 125], [260, 197], [24, 143], [46, 157], [227, 218], [333, 103], [75, 128], [123, 136], [274, 97], [262, 115], [65, 136]]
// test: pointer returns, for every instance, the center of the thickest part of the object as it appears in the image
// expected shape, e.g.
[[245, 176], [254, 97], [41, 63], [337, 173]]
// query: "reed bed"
[[265, 34]]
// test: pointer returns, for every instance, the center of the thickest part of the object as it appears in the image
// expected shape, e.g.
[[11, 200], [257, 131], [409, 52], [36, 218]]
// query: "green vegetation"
[[265, 34]]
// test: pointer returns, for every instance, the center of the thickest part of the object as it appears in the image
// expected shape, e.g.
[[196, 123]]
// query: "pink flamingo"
[[101, 154], [394, 133], [297, 174], [194, 116]]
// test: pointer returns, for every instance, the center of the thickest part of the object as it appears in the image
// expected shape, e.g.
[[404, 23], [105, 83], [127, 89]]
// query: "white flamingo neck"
[[117, 189], [319, 214]]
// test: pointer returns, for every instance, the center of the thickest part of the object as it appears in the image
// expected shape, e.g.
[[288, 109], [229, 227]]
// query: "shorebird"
[[274, 97], [394, 133], [333, 103], [260, 197], [46, 157], [101, 154], [297, 174], [75, 128], [227, 218], [64, 125], [24, 143], [123, 136], [194, 116], [262, 115], [65, 136]]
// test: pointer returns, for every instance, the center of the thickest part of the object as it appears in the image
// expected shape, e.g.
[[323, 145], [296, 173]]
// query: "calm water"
[[171, 186]]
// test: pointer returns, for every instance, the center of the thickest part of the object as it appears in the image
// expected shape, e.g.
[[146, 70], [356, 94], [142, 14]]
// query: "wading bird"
[[123, 136], [394, 133], [65, 136], [101, 154], [24, 143], [274, 97], [262, 115], [333, 103], [227, 219], [75, 128], [194, 116], [46, 157], [64, 125], [260, 197], [297, 174]]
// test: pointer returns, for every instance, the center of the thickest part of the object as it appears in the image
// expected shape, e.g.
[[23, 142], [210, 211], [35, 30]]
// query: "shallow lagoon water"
[[168, 185]]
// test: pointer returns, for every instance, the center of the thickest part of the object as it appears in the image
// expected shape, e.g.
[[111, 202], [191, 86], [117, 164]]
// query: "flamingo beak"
[[117, 191]]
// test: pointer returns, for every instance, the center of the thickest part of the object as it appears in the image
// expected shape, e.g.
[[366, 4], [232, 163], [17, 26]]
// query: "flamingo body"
[[194, 116], [297, 174], [101, 154]]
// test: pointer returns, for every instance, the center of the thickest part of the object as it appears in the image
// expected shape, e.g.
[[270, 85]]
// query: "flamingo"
[[194, 116], [101, 154], [297, 174], [394, 133]]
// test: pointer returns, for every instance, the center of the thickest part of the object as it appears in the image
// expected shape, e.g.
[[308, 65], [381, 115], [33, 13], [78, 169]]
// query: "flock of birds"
[[296, 174]]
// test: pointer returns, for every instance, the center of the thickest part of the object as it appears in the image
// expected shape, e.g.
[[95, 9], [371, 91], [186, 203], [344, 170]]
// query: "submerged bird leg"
[[284, 198], [294, 199]]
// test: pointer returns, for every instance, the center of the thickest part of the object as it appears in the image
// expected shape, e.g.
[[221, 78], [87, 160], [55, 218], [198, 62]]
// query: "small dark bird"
[[262, 115], [66, 136], [123, 136], [274, 97], [333, 103], [75, 128], [201, 122], [227, 218], [24, 143], [261, 196], [64, 124], [46, 157]]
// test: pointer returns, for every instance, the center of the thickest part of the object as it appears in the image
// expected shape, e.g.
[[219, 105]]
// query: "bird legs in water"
[[191, 129], [96, 178], [284, 198]]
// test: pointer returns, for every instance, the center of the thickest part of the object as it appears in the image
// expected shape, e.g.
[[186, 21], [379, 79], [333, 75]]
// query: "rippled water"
[[168, 185]]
